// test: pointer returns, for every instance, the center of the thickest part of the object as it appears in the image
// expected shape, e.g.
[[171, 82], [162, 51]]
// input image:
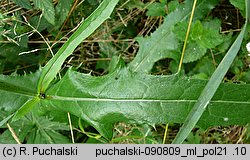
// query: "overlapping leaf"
[[51, 69]]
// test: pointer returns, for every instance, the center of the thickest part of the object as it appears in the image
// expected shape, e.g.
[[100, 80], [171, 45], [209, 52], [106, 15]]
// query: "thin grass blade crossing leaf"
[[212, 85]]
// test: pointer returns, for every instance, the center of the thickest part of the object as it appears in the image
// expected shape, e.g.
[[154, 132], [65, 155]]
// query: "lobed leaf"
[[125, 94], [144, 99]]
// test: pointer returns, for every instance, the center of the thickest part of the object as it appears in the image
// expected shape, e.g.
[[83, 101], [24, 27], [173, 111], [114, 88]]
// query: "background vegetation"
[[27, 28]]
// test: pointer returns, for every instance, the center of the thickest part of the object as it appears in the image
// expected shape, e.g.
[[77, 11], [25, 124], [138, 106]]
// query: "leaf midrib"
[[140, 100]]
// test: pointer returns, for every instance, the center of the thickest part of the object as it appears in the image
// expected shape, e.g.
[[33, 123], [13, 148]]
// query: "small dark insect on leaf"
[[42, 95]]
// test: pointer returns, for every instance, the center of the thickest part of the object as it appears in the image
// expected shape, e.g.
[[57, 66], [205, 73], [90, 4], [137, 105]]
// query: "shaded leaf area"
[[53, 16], [23, 3], [33, 129], [47, 8], [62, 10], [156, 9], [240, 5], [10, 61], [144, 99], [163, 43], [15, 90]]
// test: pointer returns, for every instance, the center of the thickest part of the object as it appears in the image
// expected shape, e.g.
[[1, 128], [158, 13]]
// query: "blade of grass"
[[6, 120], [71, 128], [14, 135], [165, 134], [187, 34], [51, 69], [212, 85]]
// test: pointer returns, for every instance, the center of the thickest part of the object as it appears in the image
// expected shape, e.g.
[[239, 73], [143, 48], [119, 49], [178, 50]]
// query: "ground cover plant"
[[183, 70]]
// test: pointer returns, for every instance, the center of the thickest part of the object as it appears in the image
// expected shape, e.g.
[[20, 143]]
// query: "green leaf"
[[34, 129], [107, 50], [93, 2], [86, 28], [196, 31], [6, 49], [17, 91], [144, 99], [62, 10], [180, 30], [23, 41], [6, 120], [240, 4], [21, 128], [26, 108], [23, 3], [115, 64], [163, 42], [194, 52], [203, 36], [47, 8], [45, 131], [227, 41], [40, 23], [204, 67], [156, 9], [172, 5], [212, 86], [135, 4], [10, 84], [125, 94], [211, 36]]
